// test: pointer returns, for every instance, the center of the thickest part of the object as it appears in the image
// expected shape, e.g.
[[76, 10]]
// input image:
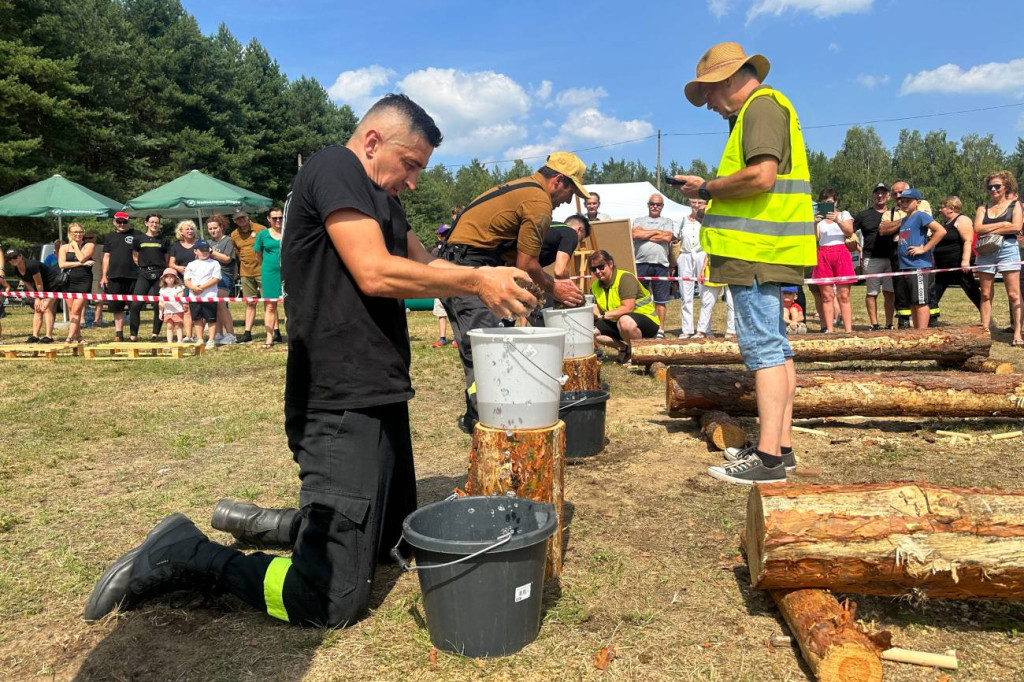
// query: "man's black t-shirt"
[[346, 350], [153, 251], [119, 246], [182, 255], [48, 273], [875, 245], [559, 237]]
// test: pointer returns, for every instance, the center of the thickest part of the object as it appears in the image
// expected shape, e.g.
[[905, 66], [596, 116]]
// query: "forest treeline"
[[123, 95]]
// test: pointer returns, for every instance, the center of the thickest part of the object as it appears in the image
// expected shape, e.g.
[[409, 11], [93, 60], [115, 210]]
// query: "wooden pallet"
[[144, 351], [48, 351]]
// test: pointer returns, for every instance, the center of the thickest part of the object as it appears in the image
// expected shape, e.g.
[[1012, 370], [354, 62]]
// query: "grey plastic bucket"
[[584, 415], [578, 324], [481, 568]]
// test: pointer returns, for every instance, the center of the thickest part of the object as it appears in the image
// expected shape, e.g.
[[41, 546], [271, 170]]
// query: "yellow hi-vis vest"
[[776, 226], [644, 304]]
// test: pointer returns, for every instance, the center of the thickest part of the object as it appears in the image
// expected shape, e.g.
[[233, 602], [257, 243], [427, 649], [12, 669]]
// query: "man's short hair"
[[418, 119], [748, 70], [596, 196], [582, 220]]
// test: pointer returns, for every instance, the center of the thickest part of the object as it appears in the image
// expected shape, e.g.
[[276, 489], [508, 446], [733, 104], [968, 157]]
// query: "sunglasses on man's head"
[[994, 187]]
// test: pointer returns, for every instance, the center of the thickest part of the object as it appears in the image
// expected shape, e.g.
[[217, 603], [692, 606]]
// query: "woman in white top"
[[834, 261]]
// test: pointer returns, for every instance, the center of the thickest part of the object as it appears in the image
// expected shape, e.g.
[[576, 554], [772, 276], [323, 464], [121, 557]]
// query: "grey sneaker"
[[749, 471], [736, 454]]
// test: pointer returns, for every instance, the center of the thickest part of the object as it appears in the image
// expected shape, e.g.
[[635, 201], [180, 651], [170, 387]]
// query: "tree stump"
[[835, 649], [947, 344], [721, 430], [891, 538], [529, 463], [691, 390], [584, 373]]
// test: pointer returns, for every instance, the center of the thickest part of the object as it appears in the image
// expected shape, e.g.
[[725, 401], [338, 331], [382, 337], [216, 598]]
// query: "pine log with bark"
[[721, 430], [890, 538], [691, 390], [947, 344], [584, 373], [977, 363]]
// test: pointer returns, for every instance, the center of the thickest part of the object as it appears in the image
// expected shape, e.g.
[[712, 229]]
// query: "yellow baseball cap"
[[569, 165]]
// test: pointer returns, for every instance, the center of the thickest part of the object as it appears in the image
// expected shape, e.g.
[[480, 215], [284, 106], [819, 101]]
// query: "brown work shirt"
[[765, 132], [521, 215], [248, 266]]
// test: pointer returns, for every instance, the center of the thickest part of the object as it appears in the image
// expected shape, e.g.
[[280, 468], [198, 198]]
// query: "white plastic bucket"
[[518, 376], [578, 324]]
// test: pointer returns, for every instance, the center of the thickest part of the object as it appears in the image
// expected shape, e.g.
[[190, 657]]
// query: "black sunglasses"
[[992, 187], [651, 203], [277, 217], [598, 268], [121, 222]]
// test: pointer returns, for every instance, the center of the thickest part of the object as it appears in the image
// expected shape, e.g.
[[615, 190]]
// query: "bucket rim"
[[540, 333], [518, 541], [583, 398]]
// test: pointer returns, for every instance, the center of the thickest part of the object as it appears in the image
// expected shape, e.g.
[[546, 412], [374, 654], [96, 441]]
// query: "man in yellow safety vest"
[[758, 232]]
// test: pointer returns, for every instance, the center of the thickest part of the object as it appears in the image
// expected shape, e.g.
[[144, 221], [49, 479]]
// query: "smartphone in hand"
[[670, 179], [826, 207]]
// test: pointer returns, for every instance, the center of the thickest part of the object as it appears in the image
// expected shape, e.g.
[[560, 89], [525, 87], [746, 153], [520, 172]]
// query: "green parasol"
[[57, 196], [197, 194]]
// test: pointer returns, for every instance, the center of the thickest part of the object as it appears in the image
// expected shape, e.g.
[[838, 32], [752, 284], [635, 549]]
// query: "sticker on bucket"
[[523, 592], [529, 351]]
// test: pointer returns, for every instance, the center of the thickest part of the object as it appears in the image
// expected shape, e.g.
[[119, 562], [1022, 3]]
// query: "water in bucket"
[[578, 324], [518, 376]]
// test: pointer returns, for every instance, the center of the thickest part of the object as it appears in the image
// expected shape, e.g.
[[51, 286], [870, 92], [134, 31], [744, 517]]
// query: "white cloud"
[[477, 111], [533, 152], [994, 77], [869, 81], [834, 47], [593, 126], [719, 8], [819, 8], [361, 87], [580, 97], [548, 123], [543, 91]]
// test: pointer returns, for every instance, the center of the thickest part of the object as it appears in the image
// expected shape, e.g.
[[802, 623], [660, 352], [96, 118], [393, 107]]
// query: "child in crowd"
[[202, 277], [792, 313], [172, 312]]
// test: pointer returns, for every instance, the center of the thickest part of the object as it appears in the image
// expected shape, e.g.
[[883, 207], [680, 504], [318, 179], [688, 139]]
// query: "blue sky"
[[519, 79]]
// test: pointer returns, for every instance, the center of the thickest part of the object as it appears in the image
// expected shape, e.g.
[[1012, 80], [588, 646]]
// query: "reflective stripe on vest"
[[644, 304], [776, 226], [273, 587]]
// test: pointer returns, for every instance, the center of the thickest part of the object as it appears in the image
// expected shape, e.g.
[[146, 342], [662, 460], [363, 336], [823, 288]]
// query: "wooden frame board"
[[615, 237]]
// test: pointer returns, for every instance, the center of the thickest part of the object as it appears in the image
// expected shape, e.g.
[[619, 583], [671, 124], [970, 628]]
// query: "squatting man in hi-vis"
[[348, 258]]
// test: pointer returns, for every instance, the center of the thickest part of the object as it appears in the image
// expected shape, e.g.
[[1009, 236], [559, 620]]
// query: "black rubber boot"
[[174, 556], [255, 525]]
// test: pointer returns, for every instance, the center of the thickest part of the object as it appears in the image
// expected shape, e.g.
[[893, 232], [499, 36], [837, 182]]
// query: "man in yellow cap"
[[758, 231], [505, 226]]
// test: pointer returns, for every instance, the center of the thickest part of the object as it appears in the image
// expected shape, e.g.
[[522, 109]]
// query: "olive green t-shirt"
[[765, 132], [521, 215]]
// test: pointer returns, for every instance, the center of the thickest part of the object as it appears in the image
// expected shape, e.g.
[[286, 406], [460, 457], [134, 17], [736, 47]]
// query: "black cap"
[[12, 253], [879, 186]]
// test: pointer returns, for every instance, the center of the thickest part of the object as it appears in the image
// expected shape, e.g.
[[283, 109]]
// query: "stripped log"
[[952, 344], [721, 430], [529, 463], [891, 538], [979, 364], [836, 650], [690, 390], [584, 373]]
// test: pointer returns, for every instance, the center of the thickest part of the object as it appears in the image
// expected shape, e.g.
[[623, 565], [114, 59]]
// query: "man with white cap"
[[505, 226], [758, 232]]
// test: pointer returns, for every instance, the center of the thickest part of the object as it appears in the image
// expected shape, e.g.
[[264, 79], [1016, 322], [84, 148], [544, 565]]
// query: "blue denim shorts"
[[760, 330], [1003, 260]]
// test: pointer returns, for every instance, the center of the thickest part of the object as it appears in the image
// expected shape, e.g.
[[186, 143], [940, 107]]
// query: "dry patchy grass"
[[94, 453]]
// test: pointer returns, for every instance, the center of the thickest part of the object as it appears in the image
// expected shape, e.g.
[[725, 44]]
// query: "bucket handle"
[[574, 404], [404, 563], [583, 328], [559, 380]]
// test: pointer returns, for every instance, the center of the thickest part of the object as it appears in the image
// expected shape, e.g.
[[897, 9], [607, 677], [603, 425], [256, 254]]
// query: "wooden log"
[[897, 655], [977, 363], [691, 390], [835, 649], [952, 344], [890, 538], [658, 370], [721, 430], [584, 373], [529, 463]]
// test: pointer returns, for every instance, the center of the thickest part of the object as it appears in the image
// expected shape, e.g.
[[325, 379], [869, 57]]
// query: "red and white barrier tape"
[[132, 297]]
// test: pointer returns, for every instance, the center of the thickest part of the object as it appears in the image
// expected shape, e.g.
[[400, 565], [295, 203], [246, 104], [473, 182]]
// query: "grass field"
[[94, 453]]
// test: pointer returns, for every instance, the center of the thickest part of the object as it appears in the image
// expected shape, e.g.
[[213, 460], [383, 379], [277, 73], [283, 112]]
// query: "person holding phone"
[[834, 261]]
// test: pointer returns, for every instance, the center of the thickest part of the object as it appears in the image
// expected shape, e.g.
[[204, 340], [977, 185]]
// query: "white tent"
[[625, 200]]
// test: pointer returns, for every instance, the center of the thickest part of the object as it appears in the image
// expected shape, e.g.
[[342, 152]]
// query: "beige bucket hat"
[[720, 62]]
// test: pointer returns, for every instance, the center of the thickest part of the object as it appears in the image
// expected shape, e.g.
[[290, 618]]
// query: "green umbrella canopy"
[[56, 196], [197, 193]]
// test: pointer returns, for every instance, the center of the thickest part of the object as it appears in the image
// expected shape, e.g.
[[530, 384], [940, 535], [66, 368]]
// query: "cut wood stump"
[[949, 344], [691, 390], [891, 538], [721, 430], [658, 370], [836, 650], [529, 463], [977, 363], [584, 373]]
